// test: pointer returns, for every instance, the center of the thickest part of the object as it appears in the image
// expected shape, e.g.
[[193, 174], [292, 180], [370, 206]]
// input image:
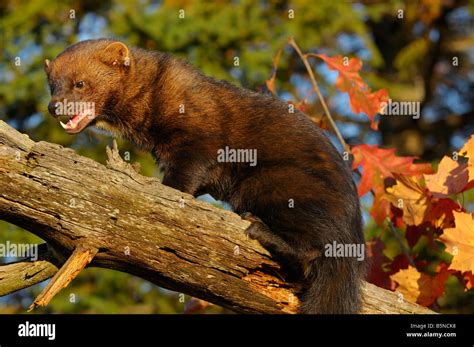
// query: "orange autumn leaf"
[[377, 165], [460, 241], [271, 82], [361, 98], [195, 305], [380, 207], [368, 103], [348, 71], [469, 279], [301, 105], [430, 10], [451, 178], [421, 287], [468, 151], [409, 196], [408, 283]]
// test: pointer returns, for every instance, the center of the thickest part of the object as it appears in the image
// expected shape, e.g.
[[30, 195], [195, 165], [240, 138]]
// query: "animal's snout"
[[52, 108]]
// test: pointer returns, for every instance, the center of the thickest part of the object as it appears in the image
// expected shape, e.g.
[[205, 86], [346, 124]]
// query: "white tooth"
[[63, 125]]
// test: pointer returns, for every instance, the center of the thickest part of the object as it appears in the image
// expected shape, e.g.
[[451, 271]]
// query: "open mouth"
[[78, 122]]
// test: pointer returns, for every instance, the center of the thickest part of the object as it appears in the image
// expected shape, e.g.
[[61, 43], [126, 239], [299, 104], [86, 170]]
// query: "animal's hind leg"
[[259, 231]]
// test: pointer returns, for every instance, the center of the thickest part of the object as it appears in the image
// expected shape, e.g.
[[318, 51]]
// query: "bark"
[[23, 274], [132, 223]]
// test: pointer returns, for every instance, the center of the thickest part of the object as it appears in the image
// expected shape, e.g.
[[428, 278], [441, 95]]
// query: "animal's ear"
[[46, 65], [116, 54]]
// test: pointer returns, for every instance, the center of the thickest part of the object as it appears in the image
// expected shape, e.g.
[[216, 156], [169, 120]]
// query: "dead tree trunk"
[[117, 219]]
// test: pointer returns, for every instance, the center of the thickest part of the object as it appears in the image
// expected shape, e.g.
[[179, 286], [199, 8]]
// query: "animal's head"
[[86, 81]]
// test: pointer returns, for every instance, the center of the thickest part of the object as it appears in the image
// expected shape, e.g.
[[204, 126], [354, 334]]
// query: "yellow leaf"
[[451, 178], [408, 283], [460, 241], [468, 151], [409, 196]]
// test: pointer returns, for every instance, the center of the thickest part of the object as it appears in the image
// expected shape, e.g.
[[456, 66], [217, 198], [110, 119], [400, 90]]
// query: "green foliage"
[[409, 58]]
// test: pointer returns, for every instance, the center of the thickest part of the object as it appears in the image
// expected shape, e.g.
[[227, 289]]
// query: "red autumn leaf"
[[195, 305], [396, 215], [440, 213], [361, 98], [380, 207], [363, 101], [271, 82], [398, 263], [469, 279], [379, 164], [301, 105], [432, 287], [320, 121], [348, 71], [378, 273], [414, 232]]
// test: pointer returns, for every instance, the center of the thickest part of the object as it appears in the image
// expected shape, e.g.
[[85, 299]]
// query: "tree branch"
[[334, 127], [144, 228], [79, 259], [22, 274]]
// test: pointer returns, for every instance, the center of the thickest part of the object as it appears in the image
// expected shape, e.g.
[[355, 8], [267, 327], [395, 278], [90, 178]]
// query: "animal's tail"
[[334, 286]]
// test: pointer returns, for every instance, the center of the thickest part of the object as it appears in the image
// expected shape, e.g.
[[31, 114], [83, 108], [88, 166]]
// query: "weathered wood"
[[80, 257], [23, 274], [144, 228]]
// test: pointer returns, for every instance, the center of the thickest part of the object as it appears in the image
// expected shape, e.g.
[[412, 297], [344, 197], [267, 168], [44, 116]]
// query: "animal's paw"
[[248, 216], [252, 232]]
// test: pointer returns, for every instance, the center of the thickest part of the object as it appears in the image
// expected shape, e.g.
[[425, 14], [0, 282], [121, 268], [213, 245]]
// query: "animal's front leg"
[[182, 180]]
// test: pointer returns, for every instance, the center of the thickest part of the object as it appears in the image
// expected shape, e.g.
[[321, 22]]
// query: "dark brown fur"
[[295, 159]]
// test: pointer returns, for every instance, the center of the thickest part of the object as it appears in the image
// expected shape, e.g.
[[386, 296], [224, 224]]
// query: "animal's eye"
[[79, 84]]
